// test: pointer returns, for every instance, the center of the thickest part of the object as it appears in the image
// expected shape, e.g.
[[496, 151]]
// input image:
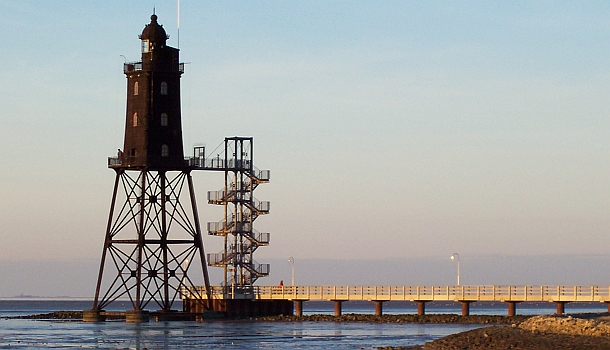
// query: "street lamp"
[[453, 257], [291, 261]]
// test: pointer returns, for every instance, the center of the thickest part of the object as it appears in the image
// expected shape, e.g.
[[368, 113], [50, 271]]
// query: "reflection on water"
[[33, 334], [219, 334]]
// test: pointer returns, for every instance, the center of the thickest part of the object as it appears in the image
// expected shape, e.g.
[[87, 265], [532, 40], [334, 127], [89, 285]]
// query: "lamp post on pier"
[[291, 261], [453, 257]]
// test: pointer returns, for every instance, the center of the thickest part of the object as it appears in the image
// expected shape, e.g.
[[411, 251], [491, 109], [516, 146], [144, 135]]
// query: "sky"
[[395, 131]]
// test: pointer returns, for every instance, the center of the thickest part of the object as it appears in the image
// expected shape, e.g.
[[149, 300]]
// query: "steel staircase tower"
[[241, 209]]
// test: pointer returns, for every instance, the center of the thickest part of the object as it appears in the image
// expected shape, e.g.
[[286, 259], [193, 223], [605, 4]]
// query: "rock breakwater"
[[400, 318], [590, 332], [57, 315], [567, 325]]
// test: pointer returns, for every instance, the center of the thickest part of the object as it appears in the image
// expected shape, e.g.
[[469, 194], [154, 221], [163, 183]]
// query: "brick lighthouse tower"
[[153, 131], [153, 238]]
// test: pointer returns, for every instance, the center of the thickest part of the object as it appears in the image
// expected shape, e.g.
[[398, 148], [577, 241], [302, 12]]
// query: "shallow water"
[[56, 334], [31, 334]]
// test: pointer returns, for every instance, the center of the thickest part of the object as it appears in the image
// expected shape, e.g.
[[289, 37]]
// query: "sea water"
[[245, 334]]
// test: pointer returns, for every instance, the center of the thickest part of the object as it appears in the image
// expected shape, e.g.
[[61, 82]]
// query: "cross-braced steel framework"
[[150, 265]]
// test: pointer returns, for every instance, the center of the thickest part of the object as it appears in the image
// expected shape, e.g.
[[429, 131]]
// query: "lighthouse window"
[[135, 119], [145, 46], [136, 89], [164, 151], [164, 119], [163, 88]]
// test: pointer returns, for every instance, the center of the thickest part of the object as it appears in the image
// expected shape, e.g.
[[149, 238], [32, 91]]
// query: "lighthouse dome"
[[154, 33]]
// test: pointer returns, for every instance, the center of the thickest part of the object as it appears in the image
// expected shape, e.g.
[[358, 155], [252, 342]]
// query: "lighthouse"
[[153, 249], [153, 128]]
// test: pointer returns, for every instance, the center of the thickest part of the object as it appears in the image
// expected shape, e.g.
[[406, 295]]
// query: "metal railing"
[[260, 237], [137, 66], [257, 269], [221, 258], [261, 175], [208, 163], [220, 228], [262, 207], [132, 67], [220, 196], [503, 293], [217, 196], [217, 163], [114, 161]]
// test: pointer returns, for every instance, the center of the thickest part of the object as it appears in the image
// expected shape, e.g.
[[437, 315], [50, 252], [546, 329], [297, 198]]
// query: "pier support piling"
[[561, 307], [465, 308], [421, 307], [93, 316], [137, 316], [378, 307], [338, 307], [512, 308], [298, 307], [608, 304]]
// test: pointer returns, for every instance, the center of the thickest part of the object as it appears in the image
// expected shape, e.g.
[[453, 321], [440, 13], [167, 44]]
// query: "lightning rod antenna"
[[178, 23]]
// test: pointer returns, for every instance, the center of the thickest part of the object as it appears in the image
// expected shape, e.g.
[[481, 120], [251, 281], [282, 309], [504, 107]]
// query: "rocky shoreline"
[[403, 318], [587, 331], [57, 315]]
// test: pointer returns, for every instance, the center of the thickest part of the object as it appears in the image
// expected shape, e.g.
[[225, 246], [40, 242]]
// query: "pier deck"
[[466, 294]]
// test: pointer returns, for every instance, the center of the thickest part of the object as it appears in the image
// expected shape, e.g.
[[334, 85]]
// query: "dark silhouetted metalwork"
[[153, 236], [241, 209]]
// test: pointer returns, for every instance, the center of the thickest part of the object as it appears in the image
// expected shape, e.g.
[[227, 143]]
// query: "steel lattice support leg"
[[151, 241]]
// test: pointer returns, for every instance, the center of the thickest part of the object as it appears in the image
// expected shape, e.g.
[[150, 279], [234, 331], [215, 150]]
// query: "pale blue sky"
[[393, 129]]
